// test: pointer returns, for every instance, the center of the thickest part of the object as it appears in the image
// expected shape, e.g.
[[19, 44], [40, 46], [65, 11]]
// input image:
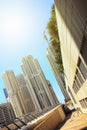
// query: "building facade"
[[27, 97], [52, 92], [72, 27], [15, 95], [36, 83], [7, 114], [59, 76]]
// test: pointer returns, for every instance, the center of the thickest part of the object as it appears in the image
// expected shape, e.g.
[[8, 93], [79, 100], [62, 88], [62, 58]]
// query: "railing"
[[17, 123]]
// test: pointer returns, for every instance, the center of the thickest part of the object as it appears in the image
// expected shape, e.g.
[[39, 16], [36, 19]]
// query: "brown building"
[[6, 113]]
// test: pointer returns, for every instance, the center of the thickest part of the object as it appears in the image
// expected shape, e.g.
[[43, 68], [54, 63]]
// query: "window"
[[83, 69], [80, 77], [71, 95], [83, 102], [77, 82], [75, 87], [84, 49]]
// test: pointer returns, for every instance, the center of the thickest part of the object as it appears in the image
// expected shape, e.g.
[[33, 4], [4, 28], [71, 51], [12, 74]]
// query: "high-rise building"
[[37, 84], [72, 27], [5, 93], [52, 92], [7, 114], [15, 95], [59, 76], [27, 97]]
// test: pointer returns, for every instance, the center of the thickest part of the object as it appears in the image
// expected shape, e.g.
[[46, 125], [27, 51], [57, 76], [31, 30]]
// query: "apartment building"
[[15, 95], [36, 83], [59, 76], [72, 27], [52, 92], [27, 97], [7, 114]]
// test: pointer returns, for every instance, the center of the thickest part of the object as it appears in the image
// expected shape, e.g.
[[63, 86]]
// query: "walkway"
[[75, 122]]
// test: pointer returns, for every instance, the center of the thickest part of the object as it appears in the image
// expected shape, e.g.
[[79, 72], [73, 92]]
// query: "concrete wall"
[[52, 120], [48, 121]]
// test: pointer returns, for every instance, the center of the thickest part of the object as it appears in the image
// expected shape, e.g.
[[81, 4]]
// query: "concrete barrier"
[[48, 121], [52, 121]]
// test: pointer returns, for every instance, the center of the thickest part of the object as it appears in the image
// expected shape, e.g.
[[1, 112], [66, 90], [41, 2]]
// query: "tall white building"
[[59, 76], [36, 83], [72, 27], [15, 95]]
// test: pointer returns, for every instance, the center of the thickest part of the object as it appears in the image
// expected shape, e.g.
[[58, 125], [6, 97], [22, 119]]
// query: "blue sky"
[[22, 23]]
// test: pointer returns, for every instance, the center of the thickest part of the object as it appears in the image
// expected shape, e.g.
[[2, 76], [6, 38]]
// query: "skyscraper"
[[59, 76], [72, 27], [27, 97], [5, 93], [52, 92], [37, 84], [14, 94]]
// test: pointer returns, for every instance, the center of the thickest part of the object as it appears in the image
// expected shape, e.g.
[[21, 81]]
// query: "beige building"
[[59, 76], [72, 27], [36, 83], [15, 95], [52, 92], [7, 114], [27, 97]]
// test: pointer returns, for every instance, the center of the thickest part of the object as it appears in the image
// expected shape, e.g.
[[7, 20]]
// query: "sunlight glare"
[[13, 26], [17, 26]]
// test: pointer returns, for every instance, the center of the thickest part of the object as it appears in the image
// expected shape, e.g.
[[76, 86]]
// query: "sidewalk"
[[77, 121]]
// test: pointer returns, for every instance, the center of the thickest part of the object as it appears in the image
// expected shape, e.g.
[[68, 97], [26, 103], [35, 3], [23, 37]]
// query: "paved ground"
[[76, 121]]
